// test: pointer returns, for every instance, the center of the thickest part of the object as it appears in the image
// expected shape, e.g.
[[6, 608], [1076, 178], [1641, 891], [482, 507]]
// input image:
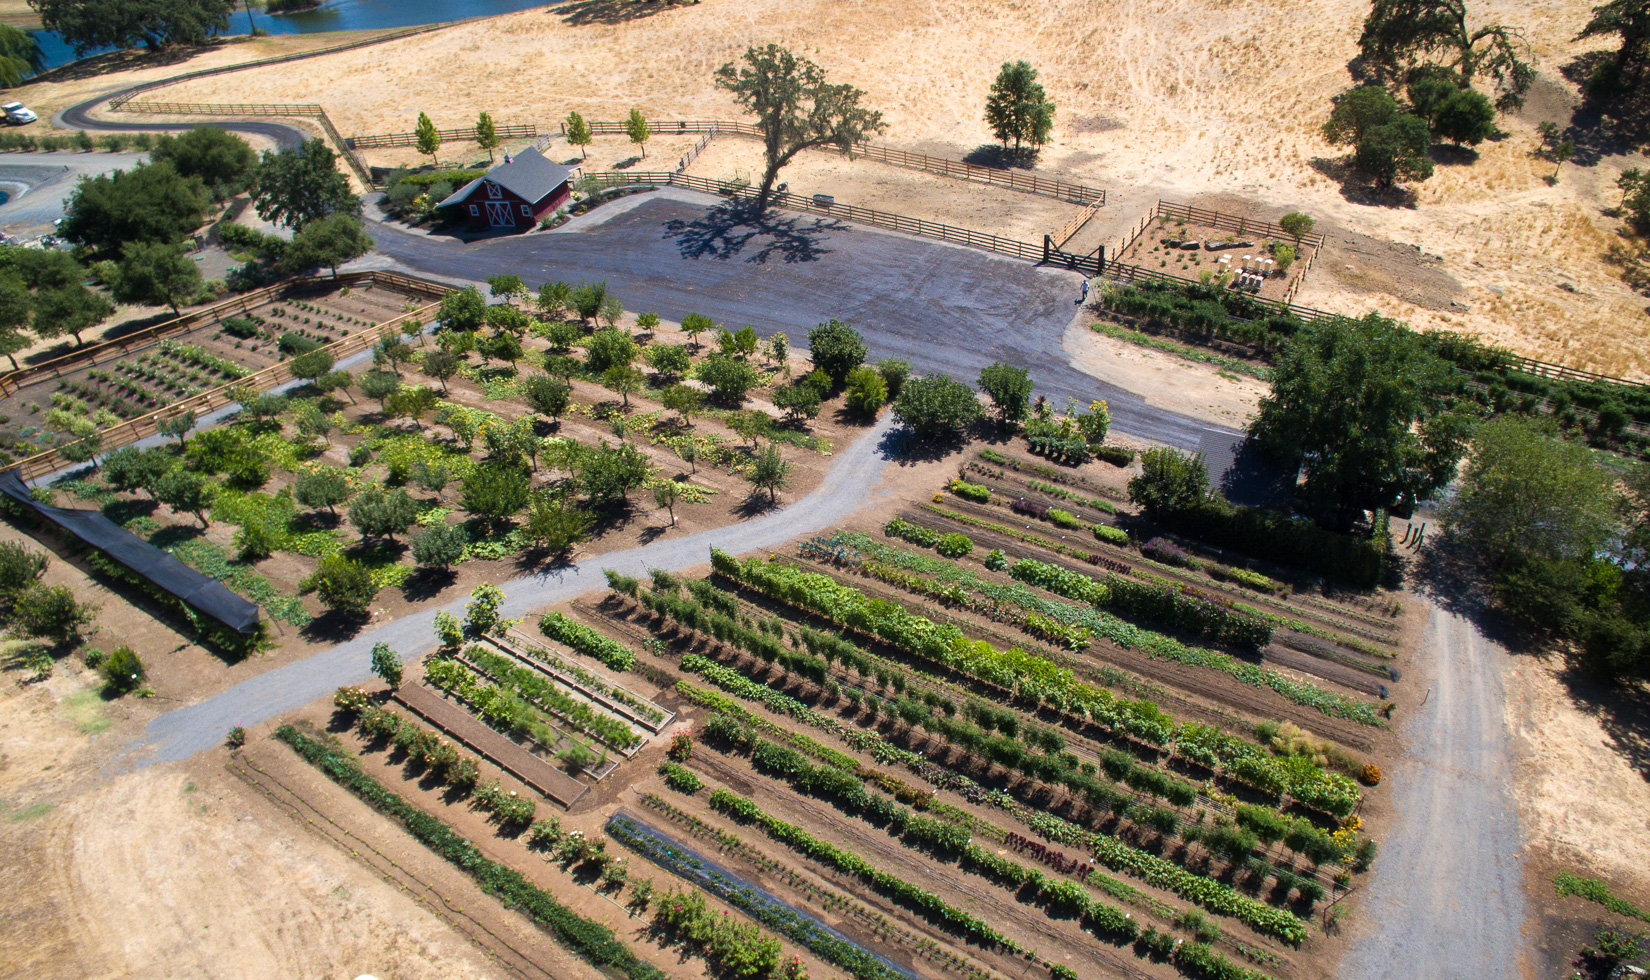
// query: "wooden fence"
[[693, 152], [142, 427], [847, 212], [215, 108], [1123, 272], [1076, 224], [1011, 179], [1228, 222], [462, 135]]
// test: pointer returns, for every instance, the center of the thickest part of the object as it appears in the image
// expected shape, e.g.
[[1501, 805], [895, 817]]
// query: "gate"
[[1092, 264]]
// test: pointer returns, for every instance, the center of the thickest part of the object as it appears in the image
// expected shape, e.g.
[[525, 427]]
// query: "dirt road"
[[1447, 898]]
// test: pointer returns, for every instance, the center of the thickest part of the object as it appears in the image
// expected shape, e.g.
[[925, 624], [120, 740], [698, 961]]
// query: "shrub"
[[238, 326], [20, 567], [971, 491], [1370, 774], [1165, 551], [344, 586], [1115, 455], [122, 669], [292, 344], [914, 533], [679, 777], [954, 545], [50, 612], [867, 391], [996, 560], [1063, 518]]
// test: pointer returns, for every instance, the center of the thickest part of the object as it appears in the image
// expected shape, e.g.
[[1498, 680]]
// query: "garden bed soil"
[[1152, 252]]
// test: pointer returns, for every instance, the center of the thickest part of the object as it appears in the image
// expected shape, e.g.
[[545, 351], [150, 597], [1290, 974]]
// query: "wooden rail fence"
[[1076, 224], [461, 135], [1013, 180], [1228, 222], [848, 212], [144, 426]]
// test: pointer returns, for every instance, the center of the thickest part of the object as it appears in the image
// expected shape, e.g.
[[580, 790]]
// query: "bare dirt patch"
[[1164, 380]]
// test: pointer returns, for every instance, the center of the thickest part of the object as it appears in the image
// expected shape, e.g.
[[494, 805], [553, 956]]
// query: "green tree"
[[377, 512], [440, 546], [344, 586], [1462, 116], [1297, 224], [223, 161], [546, 396], [75, 308], [1395, 150], [1358, 112], [327, 241], [750, 424], [588, 299], [296, 186], [556, 525], [508, 286], [130, 468], [379, 386], [894, 372], [729, 378], [311, 365], [154, 274], [84, 449], [1363, 407], [1169, 481], [89, 25], [1630, 21], [1018, 109], [638, 130], [186, 493], [665, 494], [608, 473], [609, 349], [503, 347], [770, 471], [150, 203], [578, 133], [795, 107], [487, 134], [122, 669], [19, 56], [798, 401], [177, 426], [1399, 34], [554, 299], [20, 567], [463, 310], [428, 137], [695, 324], [867, 391], [836, 349], [386, 663], [411, 402], [495, 492], [936, 407], [623, 380], [1010, 391], [682, 400], [671, 361]]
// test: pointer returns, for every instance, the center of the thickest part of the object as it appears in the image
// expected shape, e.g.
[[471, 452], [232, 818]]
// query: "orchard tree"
[[296, 186], [327, 241], [344, 586], [729, 378], [440, 546], [937, 407], [587, 299], [556, 525], [507, 286], [1010, 391], [609, 349], [487, 134], [665, 494], [695, 324], [578, 133], [623, 380], [379, 386], [867, 391], [894, 372], [177, 426], [671, 361], [495, 492], [796, 108], [546, 396], [380, 513], [1018, 108], [1399, 35], [608, 473], [1363, 408], [770, 471], [311, 365], [463, 310], [1296, 224], [638, 130], [682, 400], [386, 663], [185, 492], [836, 349], [129, 468]]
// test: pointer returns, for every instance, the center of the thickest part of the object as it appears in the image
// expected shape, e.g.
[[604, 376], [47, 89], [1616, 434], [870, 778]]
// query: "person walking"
[[1084, 295]]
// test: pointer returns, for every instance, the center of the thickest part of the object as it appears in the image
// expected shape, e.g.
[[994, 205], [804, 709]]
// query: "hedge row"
[[586, 640]]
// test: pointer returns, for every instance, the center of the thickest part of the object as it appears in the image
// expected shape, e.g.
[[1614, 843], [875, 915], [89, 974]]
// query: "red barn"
[[514, 194]]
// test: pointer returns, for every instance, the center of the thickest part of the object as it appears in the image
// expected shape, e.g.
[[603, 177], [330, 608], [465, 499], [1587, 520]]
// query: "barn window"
[[475, 210], [526, 210], [493, 190]]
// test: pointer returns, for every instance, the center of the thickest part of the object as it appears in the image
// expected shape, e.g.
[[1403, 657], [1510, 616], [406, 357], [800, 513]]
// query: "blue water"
[[338, 15], [4, 197]]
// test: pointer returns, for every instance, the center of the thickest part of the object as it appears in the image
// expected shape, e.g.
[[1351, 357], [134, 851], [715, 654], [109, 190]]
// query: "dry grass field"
[[1170, 98]]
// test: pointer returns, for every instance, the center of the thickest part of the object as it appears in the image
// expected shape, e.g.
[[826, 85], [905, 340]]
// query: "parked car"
[[18, 114]]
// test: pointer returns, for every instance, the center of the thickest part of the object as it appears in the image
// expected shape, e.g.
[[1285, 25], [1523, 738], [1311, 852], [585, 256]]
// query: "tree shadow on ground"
[[580, 13], [755, 504], [131, 59], [728, 228], [1356, 189], [1622, 710], [1450, 155], [1615, 126], [902, 446], [333, 627], [1001, 157], [427, 583]]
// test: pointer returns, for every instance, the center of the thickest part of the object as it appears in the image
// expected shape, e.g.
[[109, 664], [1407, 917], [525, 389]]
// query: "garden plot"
[[217, 352], [1191, 250]]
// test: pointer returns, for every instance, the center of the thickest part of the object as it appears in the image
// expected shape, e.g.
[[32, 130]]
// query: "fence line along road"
[[1013, 180], [461, 135], [800, 202], [252, 109], [142, 427]]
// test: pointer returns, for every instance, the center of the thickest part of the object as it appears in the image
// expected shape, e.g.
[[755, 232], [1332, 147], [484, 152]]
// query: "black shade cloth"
[[206, 595]]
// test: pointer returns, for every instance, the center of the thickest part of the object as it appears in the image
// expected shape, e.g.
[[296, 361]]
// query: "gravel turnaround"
[[182, 732], [1447, 900]]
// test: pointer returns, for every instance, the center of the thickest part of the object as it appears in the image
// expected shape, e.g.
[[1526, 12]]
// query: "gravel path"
[[182, 732], [1447, 898]]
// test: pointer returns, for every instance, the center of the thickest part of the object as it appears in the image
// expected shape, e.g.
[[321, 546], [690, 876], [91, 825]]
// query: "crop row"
[[200, 356], [548, 657], [499, 707], [543, 692], [1018, 671], [586, 640]]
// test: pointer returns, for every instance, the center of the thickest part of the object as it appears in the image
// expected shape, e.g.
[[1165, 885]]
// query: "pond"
[[336, 15]]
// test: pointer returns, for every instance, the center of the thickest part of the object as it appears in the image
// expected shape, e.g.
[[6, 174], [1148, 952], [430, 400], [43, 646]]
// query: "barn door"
[[498, 214]]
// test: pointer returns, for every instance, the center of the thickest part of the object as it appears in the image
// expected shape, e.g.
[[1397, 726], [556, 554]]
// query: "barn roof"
[[528, 175]]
